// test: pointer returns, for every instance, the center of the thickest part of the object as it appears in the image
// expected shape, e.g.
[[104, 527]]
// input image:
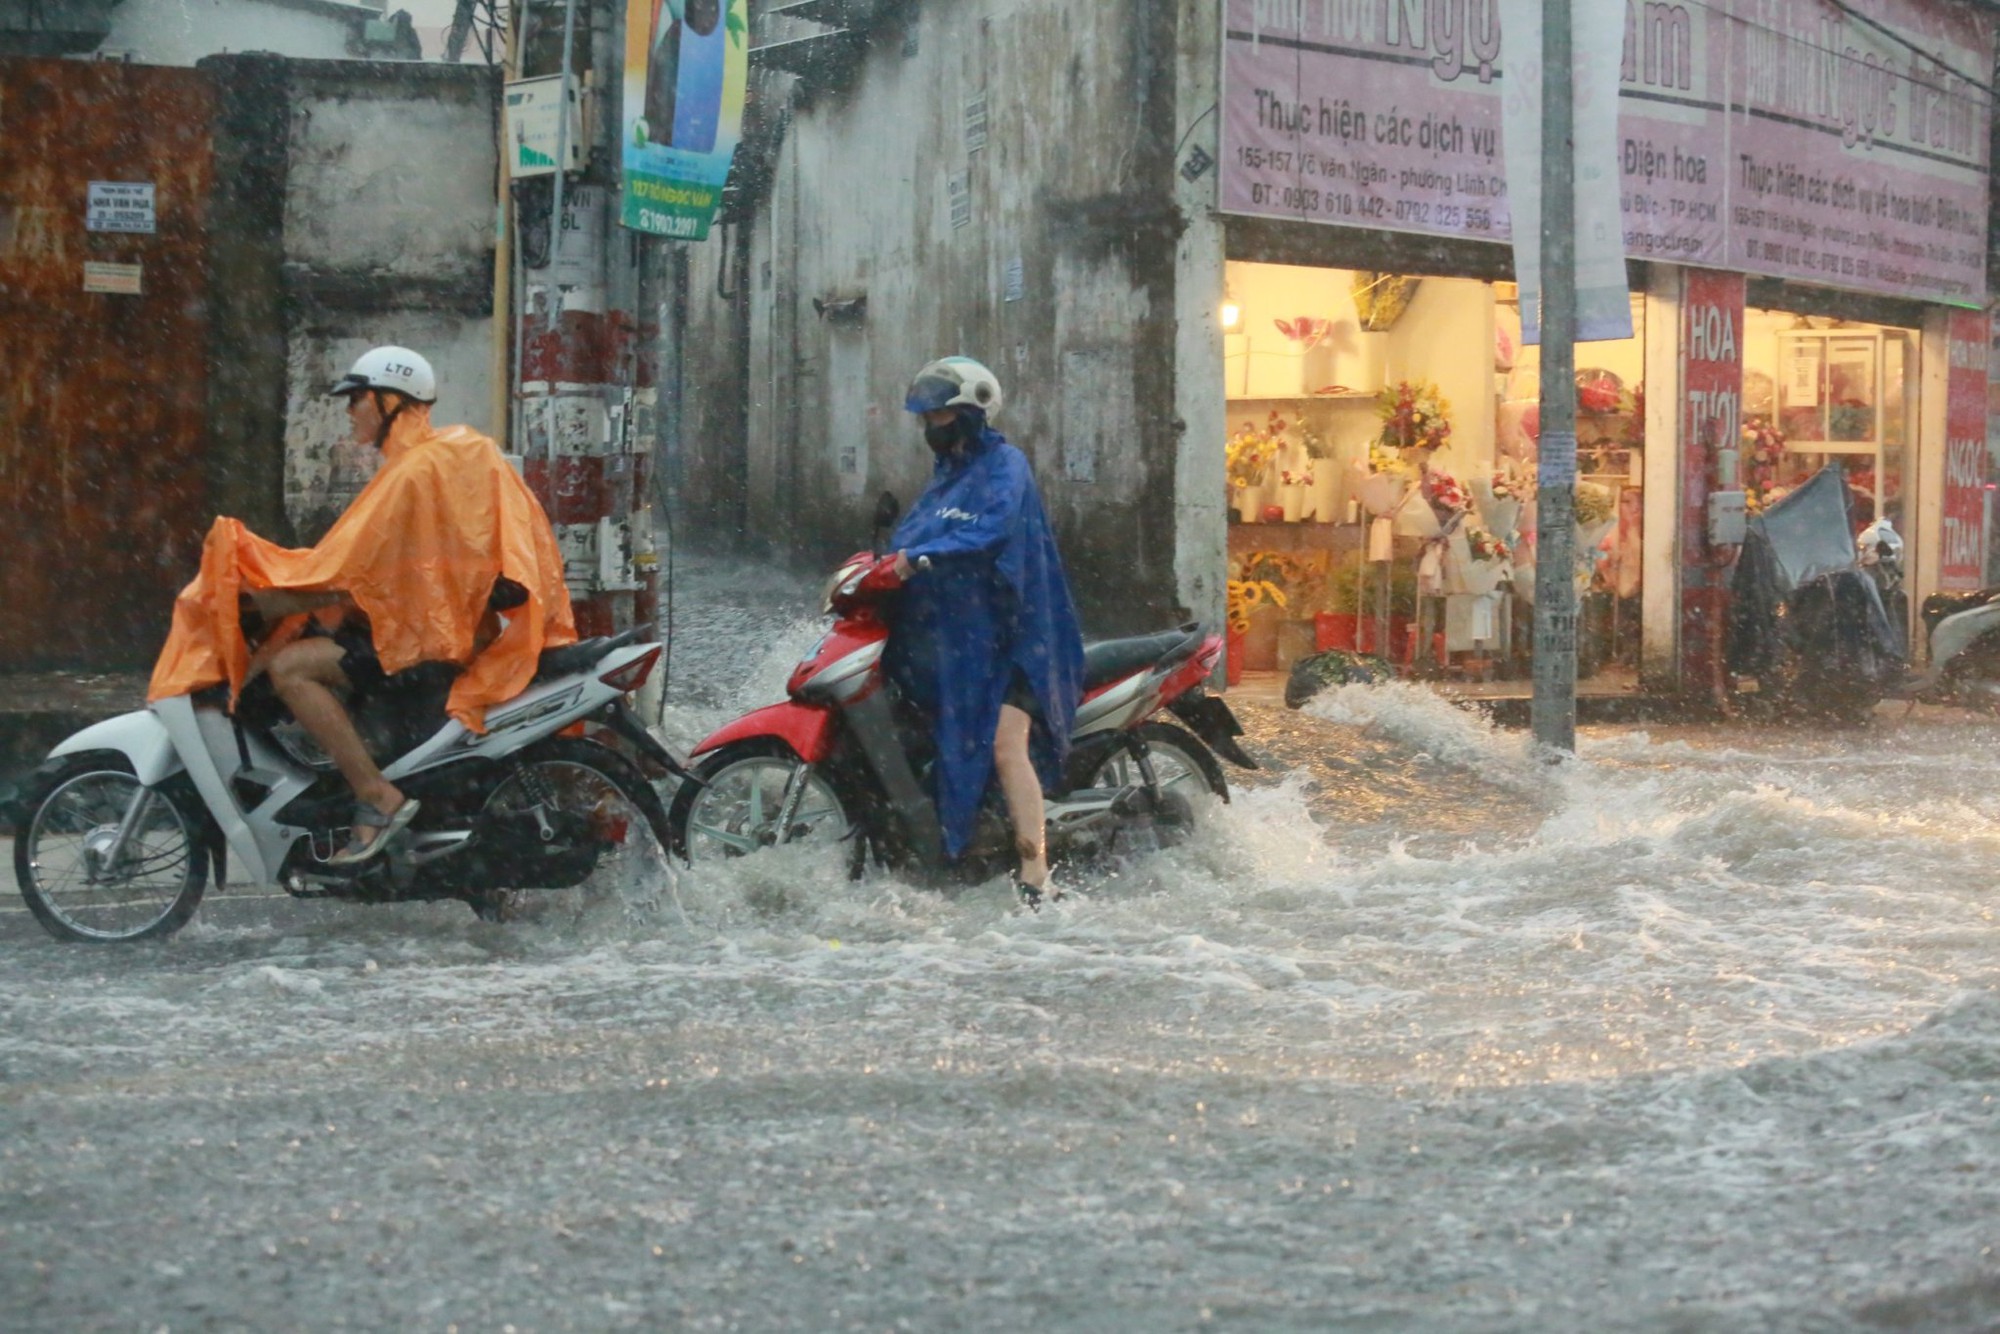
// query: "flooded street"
[[1697, 1032]]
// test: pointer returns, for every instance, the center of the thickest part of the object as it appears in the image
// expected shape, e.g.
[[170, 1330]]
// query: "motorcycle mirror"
[[887, 510], [887, 507]]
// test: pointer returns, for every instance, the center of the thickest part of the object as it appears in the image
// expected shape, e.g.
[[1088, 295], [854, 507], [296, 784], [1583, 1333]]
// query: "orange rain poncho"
[[418, 551]]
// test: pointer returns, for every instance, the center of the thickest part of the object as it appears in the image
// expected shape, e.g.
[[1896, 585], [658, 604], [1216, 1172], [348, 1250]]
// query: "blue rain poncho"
[[993, 603]]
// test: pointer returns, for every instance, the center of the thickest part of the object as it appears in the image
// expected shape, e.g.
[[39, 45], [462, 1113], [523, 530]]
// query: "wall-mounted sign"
[[1805, 139], [533, 127], [687, 63], [120, 206], [117, 279]]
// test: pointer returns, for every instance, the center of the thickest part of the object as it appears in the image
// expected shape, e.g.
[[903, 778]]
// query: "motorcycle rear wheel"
[[70, 820], [735, 808], [1184, 767]]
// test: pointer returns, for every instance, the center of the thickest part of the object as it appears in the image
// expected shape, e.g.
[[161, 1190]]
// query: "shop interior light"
[[1232, 314]]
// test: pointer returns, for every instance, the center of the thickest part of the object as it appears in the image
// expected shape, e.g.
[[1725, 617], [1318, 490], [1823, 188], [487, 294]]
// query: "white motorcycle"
[[119, 832]]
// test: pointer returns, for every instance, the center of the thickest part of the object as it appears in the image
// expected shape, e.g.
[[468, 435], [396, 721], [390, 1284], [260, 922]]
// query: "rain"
[[1595, 932]]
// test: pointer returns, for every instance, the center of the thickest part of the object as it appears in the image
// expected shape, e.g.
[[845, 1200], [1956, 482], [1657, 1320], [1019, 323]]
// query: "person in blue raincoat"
[[985, 639]]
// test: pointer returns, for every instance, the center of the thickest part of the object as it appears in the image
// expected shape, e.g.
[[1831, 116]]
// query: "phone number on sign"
[[1371, 208]]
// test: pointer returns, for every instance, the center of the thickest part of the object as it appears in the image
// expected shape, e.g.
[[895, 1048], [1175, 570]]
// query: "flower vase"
[[1324, 501], [1293, 497], [1250, 503]]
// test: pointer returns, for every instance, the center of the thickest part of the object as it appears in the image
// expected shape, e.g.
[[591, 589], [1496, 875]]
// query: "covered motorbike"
[[1807, 620]]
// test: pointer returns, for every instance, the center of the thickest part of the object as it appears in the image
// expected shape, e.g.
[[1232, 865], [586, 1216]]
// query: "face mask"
[[943, 439]]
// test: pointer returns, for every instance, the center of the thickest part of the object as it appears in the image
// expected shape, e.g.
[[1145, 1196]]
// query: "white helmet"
[[396, 369], [954, 382]]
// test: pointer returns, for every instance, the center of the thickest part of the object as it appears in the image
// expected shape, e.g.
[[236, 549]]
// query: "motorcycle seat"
[[584, 654], [1940, 605], [1112, 658]]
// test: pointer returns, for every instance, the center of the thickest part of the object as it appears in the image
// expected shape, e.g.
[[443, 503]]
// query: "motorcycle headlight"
[[850, 571]]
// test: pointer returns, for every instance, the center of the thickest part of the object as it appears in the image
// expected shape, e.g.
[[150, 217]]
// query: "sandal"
[[388, 826]]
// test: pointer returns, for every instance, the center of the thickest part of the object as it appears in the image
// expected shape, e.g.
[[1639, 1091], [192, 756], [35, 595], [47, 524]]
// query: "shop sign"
[[1803, 139], [1962, 532], [1710, 413], [687, 64]]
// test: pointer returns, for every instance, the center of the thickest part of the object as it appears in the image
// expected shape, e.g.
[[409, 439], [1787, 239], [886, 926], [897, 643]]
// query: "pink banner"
[[1962, 535], [1845, 146], [1711, 396]]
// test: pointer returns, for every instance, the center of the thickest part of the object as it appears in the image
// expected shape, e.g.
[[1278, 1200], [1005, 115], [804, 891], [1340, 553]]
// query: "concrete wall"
[[357, 208], [1070, 195], [181, 32]]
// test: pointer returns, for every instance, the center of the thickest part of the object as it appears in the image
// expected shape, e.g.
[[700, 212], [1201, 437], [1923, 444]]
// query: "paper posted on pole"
[[1603, 306]]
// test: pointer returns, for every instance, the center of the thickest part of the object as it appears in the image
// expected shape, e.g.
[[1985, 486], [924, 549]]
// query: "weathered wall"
[[362, 214], [1072, 182], [181, 32]]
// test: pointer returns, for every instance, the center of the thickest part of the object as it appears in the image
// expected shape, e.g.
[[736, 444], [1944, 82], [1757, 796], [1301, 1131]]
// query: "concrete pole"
[[1553, 713]]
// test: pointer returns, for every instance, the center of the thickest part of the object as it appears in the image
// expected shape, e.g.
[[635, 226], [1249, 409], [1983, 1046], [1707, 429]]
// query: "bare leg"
[[1022, 787], [306, 673]]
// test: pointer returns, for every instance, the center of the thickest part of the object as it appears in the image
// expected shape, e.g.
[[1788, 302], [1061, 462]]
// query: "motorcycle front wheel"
[[738, 803], [80, 880], [595, 819]]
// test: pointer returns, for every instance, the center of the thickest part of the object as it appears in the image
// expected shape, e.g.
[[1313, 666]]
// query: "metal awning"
[[55, 27], [832, 13], [821, 53]]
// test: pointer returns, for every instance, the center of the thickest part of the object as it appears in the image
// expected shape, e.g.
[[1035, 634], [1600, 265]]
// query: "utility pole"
[[1553, 712], [576, 373]]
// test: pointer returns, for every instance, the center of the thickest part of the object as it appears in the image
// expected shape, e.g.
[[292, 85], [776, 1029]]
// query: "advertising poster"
[[1962, 566], [1835, 143], [687, 63]]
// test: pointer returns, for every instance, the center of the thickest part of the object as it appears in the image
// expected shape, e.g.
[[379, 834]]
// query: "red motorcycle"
[[845, 762]]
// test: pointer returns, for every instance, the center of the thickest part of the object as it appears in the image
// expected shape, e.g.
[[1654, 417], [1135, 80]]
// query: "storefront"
[[1806, 246]]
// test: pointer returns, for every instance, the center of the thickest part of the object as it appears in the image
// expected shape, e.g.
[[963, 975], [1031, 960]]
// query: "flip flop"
[[390, 826]]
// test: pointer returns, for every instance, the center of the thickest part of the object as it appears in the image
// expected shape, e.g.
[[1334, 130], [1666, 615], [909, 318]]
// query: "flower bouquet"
[[1499, 499], [1476, 561], [1381, 485], [1414, 416], [1596, 512], [1763, 451]]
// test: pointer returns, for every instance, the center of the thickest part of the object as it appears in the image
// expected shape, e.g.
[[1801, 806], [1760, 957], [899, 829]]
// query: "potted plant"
[[1246, 598]]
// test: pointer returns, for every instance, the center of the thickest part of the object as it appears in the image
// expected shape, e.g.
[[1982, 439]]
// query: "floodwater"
[[1696, 1032]]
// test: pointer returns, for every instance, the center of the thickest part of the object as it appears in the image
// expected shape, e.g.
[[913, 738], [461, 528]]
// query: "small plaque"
[[117, 279]]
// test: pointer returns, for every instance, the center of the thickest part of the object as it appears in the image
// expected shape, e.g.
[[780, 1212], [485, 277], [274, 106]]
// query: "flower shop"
[[1382, 434]]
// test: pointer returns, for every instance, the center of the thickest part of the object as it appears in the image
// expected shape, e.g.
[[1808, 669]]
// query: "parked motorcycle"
[[119, 832], [844, 763], [1808, 620], [1962, 631]]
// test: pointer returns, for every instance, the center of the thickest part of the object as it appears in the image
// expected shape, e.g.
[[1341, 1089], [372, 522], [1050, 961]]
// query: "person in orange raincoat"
[[444, 562]]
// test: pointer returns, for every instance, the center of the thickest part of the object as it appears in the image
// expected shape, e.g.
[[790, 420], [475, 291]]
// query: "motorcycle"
[[120, 831], [1809, 621], [844, 761], [1962, 631]]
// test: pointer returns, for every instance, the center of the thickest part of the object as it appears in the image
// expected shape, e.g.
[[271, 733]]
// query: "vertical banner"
[[687, 64], [1603, 308], [1710, 418], [1962, 534]]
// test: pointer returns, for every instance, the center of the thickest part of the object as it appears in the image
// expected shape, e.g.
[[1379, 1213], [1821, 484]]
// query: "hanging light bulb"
[[1232, 314]]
